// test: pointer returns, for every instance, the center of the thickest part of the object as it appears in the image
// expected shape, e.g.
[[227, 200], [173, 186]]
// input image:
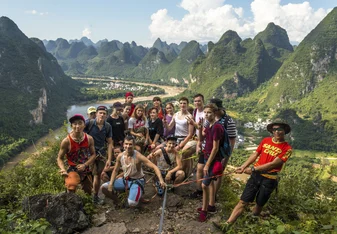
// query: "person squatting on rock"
[[214, 138], [133, 180], [272, 152], [101, 132], [169, 162], [78, 147]]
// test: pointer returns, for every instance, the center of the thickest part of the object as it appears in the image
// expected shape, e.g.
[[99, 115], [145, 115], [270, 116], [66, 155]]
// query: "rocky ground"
[[180, 215]]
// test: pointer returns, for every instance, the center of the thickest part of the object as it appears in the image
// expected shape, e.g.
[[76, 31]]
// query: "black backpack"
[[225, 148]]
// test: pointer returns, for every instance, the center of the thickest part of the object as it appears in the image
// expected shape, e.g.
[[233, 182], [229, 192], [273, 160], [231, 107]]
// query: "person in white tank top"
[[131, 162]]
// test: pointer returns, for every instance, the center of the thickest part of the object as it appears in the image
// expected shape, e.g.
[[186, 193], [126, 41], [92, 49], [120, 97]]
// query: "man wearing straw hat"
[[274, 151]]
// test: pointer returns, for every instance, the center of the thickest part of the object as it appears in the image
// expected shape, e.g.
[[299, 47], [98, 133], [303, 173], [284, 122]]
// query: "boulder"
[[109, 228], [63, 211]]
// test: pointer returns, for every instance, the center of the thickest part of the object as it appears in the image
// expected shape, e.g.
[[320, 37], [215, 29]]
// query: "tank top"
[[79, 153], [130, 170], [181, 126], [162, 164], [172, 131]]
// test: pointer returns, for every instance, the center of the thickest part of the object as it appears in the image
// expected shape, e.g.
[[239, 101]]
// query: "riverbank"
[[41, 143]]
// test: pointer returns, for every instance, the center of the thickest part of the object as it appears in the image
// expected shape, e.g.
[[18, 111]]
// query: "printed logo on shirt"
[[271, 150]]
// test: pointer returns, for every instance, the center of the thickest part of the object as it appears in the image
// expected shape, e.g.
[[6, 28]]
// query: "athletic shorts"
[[215, 169], [136, 191], [258, 187], [201, 159]]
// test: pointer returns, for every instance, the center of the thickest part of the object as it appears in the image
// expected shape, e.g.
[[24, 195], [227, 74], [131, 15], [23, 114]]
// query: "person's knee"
[[132, 203], [242, 203], [204, 186], [180, 175], [200, 167]]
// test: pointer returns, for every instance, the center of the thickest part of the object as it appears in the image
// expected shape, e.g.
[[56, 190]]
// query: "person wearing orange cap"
[[129, 99], [78, 147]]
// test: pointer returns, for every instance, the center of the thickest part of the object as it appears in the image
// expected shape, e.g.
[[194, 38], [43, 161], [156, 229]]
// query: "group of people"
[[107, 152]]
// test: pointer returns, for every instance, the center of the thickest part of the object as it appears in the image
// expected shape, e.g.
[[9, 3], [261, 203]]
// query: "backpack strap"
[[89, 125], [107, 127], [167, 159], [195, 114]]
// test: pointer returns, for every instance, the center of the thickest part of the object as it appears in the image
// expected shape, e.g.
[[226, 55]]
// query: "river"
[[40, 144]]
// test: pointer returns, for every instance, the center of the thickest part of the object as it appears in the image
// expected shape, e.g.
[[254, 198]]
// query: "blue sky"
[[171, 20]]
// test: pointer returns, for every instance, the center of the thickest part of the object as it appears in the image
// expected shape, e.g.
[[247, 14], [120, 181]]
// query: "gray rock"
[[110, 228], [63, 211], [98, 219], [174, 201]]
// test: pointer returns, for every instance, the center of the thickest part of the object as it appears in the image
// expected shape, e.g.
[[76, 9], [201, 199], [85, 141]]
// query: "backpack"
[[225, 148], [90, 123]]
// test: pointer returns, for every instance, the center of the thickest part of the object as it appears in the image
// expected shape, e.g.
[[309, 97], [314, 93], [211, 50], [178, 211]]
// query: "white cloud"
[[208, 20], [35, 12], [86, 33]]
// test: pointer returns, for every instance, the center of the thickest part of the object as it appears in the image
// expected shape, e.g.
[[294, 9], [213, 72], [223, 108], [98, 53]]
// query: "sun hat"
[[280, 122]]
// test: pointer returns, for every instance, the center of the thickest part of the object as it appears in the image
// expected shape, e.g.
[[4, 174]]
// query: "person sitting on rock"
[[169, 162], [106, 174], [131, 162], [78, 147]]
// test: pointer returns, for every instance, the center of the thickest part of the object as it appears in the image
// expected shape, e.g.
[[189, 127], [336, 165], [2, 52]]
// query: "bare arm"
[[149, 164], [249, 161], [170, 125], [115, 171], [232, 142], [110, 150], [64, 148], [92, 151], [179, 164]]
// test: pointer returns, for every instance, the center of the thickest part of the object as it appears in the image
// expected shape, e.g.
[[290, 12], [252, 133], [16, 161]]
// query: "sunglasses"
[[278, 129]]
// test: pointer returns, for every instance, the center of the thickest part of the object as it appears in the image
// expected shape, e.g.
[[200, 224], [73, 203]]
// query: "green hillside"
[[233, 67], [35, 92]]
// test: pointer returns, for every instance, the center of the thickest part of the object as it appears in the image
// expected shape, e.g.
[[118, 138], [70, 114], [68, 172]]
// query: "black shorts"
[[201, 159], [258, 187]]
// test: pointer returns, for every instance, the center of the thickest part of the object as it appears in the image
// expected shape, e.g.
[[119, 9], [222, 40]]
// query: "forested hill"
[[303, 90], [35, 92]]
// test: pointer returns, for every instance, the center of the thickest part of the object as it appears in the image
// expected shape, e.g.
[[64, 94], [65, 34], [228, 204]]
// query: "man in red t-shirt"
[[274, 152], [128, 100]]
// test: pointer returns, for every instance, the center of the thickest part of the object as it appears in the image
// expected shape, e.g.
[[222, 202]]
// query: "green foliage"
[[304, 202]]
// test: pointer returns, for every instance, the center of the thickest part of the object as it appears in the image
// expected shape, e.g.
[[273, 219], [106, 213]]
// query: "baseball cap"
[[91, 109], [127, 94], [117, 105], [102, 108], [75, 117]]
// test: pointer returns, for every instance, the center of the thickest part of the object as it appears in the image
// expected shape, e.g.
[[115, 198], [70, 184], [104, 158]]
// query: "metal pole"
[[162, 213]]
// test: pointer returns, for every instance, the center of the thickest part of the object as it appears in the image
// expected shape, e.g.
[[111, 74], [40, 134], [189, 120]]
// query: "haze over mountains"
[[259, 77]]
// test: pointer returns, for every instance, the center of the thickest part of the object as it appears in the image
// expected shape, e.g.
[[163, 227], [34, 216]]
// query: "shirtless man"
[[78, 147], [133, 177]]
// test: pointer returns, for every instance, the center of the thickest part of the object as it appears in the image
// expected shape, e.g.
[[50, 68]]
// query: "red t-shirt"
[[214, 133], [269, 150], [133, 106]]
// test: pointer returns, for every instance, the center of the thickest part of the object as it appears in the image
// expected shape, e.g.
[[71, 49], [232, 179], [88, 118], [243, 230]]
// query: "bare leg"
[[237, 211], [200, 172], [97, 184], [212, 194], [257, 210], [180, 175], [205, 197]]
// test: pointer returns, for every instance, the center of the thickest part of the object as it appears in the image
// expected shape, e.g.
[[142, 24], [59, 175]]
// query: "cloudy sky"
[[143, 21]]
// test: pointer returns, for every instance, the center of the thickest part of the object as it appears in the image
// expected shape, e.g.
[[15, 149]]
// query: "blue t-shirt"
[[99, 136]]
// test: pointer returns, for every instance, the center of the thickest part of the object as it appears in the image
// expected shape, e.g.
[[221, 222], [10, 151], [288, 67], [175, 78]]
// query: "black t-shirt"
[[156, 127], [118, 128]]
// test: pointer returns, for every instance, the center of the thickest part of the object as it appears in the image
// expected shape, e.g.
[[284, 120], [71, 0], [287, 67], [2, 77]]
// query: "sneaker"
[[196, 194], [202, 216], [223, 226], [97, 200], [210, 209]]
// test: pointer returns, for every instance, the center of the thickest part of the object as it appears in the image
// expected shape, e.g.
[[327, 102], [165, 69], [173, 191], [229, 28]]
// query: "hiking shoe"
[[210, 209], [223, 226], [202, 216], [97, 200], [196, 194]]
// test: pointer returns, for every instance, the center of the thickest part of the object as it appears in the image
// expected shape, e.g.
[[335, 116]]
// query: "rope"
[[162, 213]]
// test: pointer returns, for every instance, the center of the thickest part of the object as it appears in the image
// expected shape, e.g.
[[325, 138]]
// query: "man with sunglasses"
[[274, 152], [101, 132]]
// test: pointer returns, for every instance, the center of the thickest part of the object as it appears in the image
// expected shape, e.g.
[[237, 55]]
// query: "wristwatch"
[[253, 169]]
